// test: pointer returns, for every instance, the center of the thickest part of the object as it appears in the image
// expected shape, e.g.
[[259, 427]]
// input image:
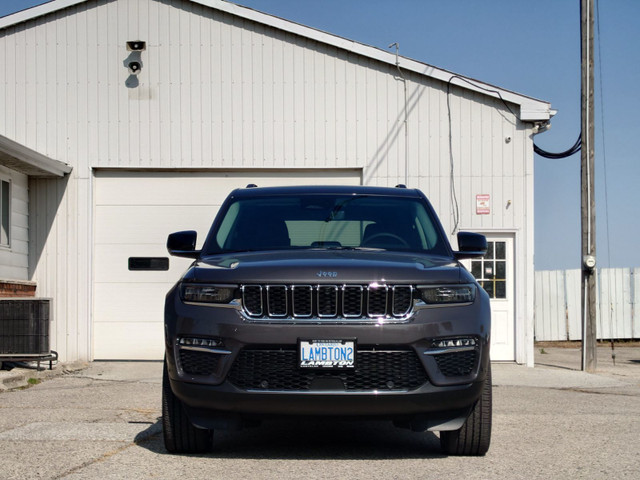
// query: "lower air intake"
[[277, 369]]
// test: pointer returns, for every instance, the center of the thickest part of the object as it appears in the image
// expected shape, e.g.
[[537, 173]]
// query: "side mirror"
[[183, 244], [471, 245]]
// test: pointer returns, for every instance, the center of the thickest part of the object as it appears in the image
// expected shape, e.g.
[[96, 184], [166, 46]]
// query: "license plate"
[[327, 354]]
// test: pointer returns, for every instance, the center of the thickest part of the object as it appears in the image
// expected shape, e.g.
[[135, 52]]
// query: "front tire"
[[474, 437], [180, 435]]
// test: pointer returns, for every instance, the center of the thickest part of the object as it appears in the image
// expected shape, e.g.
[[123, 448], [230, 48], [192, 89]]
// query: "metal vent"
[[24, 327]]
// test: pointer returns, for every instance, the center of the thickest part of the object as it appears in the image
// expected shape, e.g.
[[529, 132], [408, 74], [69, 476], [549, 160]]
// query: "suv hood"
[[327, 267]]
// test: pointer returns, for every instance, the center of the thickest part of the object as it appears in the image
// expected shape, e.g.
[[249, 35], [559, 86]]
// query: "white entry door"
[[495, 273]]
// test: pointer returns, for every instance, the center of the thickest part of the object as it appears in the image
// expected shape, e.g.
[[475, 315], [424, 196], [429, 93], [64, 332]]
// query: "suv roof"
[[333, 189]]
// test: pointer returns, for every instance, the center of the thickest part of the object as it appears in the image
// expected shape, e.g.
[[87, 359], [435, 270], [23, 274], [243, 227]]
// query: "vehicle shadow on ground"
[[312, 440]]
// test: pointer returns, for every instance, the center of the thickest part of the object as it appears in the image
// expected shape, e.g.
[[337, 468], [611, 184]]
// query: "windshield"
[[327, 221]]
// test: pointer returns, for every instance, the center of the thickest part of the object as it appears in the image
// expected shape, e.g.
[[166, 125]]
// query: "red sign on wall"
[[483, 204]]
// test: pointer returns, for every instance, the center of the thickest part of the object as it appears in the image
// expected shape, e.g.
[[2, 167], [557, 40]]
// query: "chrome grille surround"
[[378, 296], [327, 301], [402, 299], [373, 303], [277, 301], [302, 301], [252, 300], [352, 300]]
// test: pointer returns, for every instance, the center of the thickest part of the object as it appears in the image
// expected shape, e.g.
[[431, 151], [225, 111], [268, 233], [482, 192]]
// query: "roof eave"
[[24, 160], [37, 11]]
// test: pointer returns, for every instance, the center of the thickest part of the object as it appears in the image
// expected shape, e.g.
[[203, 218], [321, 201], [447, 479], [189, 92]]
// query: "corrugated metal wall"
[[218, 91], [558, 306]]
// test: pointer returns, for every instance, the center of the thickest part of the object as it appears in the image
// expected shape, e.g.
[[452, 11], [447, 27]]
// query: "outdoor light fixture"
[[136, 46], [134, 60]]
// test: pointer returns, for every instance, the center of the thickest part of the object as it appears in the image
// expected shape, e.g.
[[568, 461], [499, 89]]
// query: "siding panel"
[[14, 259], [616, 306]]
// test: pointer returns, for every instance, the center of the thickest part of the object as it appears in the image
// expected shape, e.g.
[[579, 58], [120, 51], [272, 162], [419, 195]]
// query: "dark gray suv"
[[327, 301]]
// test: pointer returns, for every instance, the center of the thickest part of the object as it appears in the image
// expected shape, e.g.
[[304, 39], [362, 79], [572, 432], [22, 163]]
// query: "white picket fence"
[[558, 310]]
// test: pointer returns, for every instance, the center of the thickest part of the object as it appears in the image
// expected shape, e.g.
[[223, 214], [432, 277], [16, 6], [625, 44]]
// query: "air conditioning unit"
[[24, 327]]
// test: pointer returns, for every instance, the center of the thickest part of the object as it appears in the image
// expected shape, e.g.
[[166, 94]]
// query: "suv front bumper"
[[213, 396]]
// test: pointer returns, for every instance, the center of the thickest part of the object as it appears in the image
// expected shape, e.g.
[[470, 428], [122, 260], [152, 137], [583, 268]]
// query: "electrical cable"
[[575, 148], [604, 150], [543, 153], [604, 167], [556, 156], [452, 182]]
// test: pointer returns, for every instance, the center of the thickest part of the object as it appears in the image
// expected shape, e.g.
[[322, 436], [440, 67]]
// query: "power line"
[[540, 151], [604, 150]]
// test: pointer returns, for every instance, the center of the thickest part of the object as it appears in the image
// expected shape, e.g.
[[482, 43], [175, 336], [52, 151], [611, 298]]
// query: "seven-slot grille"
[[327, 301]]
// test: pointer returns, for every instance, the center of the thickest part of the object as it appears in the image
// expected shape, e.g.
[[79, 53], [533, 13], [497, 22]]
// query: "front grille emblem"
[[323, 274]]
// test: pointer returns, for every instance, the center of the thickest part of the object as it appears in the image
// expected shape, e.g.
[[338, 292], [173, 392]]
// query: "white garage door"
[[133, 214]]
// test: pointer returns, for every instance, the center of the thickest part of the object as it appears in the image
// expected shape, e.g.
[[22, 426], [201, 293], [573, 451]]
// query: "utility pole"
[[588, 204]]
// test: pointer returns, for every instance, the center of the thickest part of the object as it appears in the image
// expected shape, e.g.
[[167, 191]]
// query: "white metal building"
[[99, 165]]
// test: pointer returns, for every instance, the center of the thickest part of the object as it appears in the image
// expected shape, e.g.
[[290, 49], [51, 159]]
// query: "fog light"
[[442, 346], [200, 342], [454, 342]]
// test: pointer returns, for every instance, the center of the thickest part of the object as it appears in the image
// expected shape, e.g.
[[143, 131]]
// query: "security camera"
[[136, 46], [133, 62], [134, 67]]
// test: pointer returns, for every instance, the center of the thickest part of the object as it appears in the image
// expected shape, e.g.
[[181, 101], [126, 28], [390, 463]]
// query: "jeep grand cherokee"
[[327, 301]]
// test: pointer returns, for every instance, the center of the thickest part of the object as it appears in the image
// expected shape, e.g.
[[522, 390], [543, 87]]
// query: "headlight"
[[201, 293], [448, 294]]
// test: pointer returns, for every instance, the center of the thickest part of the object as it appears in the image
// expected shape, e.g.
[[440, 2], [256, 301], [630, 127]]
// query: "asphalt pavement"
[[101, 421]]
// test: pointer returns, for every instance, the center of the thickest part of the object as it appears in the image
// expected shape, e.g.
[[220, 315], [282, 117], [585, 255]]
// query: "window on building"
[[491, 270], [5, 196]]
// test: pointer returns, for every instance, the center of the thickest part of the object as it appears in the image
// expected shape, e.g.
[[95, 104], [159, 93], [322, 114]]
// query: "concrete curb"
[[19, 377]]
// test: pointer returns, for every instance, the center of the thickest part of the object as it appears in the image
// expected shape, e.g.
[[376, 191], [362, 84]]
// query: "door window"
[[491, 270]]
